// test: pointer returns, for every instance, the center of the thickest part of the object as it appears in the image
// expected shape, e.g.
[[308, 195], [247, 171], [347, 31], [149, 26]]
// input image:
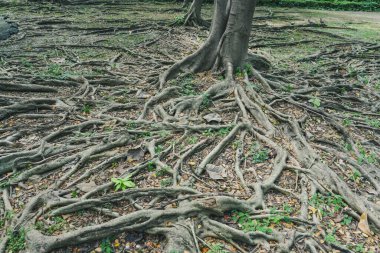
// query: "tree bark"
[[227, 45], [194, 15]]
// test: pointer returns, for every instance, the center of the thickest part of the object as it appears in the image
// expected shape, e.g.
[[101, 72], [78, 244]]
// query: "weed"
[[287, 209], [359, 248], [58, 224], [356, 175], [373, 122], [74, 194], [151, 166], [365, 156], [54, 70], [248, 224], [123, 183], [223, 131], [217, 248], [86, 109], [6, 183], [131, 125], [377, 86], [39, 226], [179, 20], [288, 88], [327, 205], [206, 101], [192, 139], [187, 83], [330, 238], [239, 72], [158, 149], [346, 220], [26, 63], [7, 217], [166, 182], [106, 246], [347, 122], [16, 241], [316, 102], [365, 80], [348, 147], [352, 72], [164, 133], [259, 154]]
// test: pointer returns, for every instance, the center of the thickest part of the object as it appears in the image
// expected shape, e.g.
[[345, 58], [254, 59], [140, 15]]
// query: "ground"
[[81, 113]]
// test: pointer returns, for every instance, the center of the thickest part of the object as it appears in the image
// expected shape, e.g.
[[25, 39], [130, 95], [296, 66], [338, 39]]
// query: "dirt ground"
[[80, 113]]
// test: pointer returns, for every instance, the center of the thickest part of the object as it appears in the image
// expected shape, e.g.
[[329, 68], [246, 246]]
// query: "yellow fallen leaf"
[[314, 210], [363, 224], [116, 243]]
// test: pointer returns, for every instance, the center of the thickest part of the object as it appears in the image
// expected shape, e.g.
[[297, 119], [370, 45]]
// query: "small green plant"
[[166, 182], [356, 175], [26, 63], [58, 224], [192, 139], [206, 101], [180, 19], [86, 109], [248, 224], [377, 86], [316, 102], [217, 248], [346, 220], [123, 183], [352, 72], [158, 149], [223, 131], [260, 156], [7, 217], [164, 133], [74, 194], [106, 246], [365, 156], [373, 123], [330, 238], [151, 166], [54, 70], [347, 122], [16, 241], [348, 147], [287, 209], [187, 83], [288, 88], [360, 248], [6, 183], [239, 72], [329, 204], [365, 80]]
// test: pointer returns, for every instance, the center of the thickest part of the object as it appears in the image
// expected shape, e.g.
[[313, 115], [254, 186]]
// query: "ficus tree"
[[227, 44]]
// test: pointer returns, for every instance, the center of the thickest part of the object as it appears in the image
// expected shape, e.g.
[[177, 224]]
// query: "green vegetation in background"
[[352, 5]]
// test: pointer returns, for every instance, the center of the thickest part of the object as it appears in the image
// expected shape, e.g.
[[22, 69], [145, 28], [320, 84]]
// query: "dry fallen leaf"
[[363, 224], [216, 172]]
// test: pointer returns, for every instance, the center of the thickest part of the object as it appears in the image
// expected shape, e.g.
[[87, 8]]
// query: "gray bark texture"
[[7, 29], [227, 44]]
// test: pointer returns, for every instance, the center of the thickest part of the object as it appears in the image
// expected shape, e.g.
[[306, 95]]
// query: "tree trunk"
[[227, 45], [193, 17]]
